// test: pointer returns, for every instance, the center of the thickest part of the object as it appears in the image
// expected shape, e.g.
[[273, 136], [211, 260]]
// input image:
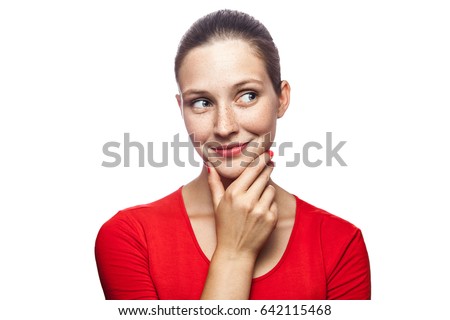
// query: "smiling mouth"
[[230, 150]]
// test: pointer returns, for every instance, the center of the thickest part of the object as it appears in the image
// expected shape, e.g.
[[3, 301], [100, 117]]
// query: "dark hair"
[[230, 24]]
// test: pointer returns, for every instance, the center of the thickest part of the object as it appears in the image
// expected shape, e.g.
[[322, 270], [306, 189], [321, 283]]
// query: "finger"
[[267, 197], [251, 172], [215, 185], [260, 183], [273, 212]]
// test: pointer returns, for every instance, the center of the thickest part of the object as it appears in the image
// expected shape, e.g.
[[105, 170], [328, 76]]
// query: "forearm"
[[229, 277]]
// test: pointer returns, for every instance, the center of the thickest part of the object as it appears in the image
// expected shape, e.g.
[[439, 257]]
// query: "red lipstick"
[[230, 150]]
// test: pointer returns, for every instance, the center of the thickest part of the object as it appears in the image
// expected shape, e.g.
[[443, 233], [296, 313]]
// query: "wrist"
[[235, 257], [230, 275]]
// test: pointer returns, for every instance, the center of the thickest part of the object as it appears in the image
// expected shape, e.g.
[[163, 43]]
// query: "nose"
[[225, 122]]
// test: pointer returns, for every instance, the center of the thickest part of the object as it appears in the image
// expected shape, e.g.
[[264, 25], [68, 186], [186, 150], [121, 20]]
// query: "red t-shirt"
[[150, 252]]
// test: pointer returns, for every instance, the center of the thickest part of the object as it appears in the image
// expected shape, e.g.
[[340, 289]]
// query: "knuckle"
[[270, 189], [258, 211], [231, 193], [249, 205], [271, 217], [265, 174]]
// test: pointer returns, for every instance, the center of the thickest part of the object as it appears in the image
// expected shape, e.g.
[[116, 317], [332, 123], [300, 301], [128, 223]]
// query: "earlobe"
[[284, 98]]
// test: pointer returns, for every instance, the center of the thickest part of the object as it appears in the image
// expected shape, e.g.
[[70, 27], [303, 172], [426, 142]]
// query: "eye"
[[201, 104], [247, 97]]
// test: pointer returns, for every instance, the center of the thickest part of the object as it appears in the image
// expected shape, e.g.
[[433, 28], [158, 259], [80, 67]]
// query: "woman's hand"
[[245, 216], [245, 213]]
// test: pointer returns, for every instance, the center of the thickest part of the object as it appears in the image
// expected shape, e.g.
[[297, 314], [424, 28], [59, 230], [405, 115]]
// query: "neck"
[[201, 182], [226, 182], [198, 197]]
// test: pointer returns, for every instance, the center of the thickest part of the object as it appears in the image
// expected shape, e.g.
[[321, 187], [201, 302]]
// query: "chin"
[[232, 169], [230, 172]]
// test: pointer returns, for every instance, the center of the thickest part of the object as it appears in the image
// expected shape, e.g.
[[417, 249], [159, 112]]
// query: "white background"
[[77, 74]]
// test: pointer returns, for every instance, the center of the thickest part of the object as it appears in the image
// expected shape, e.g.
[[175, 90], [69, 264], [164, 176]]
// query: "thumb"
[[215, 185]]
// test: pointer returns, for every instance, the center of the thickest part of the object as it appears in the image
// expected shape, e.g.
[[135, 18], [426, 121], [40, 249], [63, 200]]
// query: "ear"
[[284, 98], [180, 102]]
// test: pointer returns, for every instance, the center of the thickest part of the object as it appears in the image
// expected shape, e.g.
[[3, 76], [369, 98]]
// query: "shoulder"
[[332, 235], [329, 224], [136, 220], [163, 206], [342, 249]]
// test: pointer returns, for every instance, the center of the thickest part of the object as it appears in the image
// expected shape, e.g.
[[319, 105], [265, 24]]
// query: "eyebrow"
[[236, 85]]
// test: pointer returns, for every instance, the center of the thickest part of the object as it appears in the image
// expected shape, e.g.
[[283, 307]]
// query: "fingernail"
[[207, 166], [271, 154], [271, 163]]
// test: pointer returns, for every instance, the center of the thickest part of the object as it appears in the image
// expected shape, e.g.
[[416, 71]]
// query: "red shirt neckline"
[[207, 261]]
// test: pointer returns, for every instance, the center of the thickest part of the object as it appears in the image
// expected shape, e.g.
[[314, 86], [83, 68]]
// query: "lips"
[[230, 150]]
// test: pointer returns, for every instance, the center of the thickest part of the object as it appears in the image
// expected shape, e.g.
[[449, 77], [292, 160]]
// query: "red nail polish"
[[271, 154], [208, 169], [206, 165]]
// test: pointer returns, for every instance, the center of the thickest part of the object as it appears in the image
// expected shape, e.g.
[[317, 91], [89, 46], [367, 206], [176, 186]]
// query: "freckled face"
[[229, 105]]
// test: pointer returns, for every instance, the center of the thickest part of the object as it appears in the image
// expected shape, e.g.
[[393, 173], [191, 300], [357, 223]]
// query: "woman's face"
[[229, 105]]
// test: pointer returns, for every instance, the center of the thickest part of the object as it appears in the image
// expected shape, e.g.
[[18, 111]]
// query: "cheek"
[[198, 128], [260, 120]]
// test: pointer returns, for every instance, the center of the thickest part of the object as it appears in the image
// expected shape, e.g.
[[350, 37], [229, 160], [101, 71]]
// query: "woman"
[[231, 233]]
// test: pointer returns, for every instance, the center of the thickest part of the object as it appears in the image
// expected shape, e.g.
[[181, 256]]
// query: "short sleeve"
[[349, 278], [122, 260]]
